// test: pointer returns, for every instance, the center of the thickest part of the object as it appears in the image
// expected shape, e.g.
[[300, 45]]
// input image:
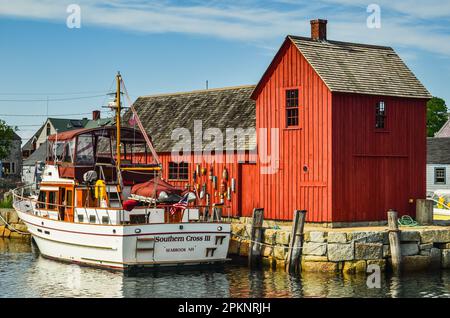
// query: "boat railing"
[[24, 202]]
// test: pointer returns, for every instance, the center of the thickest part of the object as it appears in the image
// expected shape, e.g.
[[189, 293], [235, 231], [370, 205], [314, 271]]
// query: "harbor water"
[[24, 273]]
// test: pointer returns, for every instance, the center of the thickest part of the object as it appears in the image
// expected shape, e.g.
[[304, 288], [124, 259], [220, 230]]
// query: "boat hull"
[[125, 247]]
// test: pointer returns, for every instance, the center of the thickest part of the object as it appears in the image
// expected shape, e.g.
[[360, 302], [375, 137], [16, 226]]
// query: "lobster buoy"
[[203, 170], [223, 186], [203, 191], [197, 169], [208, 200], [214, 181], [229, 194], [233, 185], [211, 172], [225, 173]]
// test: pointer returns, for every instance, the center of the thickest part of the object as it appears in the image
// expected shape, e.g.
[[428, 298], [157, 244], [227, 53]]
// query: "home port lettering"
[[232, 307]]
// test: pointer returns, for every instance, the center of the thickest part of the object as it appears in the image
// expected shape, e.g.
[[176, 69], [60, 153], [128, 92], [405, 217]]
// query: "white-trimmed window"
[[380, 115], [440, 175]]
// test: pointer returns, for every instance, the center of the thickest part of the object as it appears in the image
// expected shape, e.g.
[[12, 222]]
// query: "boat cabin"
[[81, 182], [78, 151]]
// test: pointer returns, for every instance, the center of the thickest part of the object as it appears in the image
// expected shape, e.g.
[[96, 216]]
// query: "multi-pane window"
[[51, 202], [380, 115], [178, 171], [439, 176], [291, 107]]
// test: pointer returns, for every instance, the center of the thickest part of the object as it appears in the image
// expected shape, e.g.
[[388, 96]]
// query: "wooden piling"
[[424, 212], [296, 242], [254, 254], [394, 242]]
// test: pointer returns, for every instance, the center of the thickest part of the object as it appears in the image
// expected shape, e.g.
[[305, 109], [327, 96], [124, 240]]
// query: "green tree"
[[437, 115], [6, 138]]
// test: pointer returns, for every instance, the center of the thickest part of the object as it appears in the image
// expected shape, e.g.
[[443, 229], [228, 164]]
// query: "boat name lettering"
[[188, 238]]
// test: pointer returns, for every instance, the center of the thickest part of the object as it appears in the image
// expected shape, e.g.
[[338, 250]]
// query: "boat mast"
[[118, 109]]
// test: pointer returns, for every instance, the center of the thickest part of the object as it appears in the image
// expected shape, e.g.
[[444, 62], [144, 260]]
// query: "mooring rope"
[[12, 228], [406, 220], [243, 238]]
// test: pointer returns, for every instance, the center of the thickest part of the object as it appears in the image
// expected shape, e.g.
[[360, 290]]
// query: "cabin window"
[[48, 129], [85, 150], [440, 175], [68, 151], [59, 150], [80, 218], [105, 219], [178, 171], [41, 200], [69, 203], [380, 115], [51, 202], [92, 219]]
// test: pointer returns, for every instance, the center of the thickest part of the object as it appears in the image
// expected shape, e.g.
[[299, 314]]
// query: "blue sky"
[[169, 46]]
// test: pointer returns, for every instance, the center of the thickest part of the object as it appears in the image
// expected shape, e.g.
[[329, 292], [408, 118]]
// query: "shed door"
[[247, 189]]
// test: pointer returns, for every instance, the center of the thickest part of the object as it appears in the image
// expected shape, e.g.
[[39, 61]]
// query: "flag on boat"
[[132, 121], [181, 205]]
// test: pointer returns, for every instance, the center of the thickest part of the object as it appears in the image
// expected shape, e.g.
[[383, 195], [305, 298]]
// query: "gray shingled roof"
[[29, 143], [216, 108], [444, 131], [360, 68], [39, 154], [438, 150]]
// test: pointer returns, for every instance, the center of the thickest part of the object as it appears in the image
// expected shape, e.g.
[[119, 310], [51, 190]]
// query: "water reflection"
[[24, 273]]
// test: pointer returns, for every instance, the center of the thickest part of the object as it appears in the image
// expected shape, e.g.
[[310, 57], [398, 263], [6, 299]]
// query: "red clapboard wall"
[[373, 170], [242, 200], [306, 147]]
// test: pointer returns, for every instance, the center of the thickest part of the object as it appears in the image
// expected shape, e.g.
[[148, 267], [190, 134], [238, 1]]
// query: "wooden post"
[[424, 212], [296, 241], [394, 242], [254, 253]]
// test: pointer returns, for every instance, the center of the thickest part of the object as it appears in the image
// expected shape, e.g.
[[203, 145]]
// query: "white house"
[[438, 164]]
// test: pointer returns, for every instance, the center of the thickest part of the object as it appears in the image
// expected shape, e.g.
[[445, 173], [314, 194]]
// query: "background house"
[[444, 131], [11, 167], [438, 164]]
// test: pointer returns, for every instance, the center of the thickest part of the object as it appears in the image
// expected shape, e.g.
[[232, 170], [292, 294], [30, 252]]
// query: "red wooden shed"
[[348, 123], [352, 121]]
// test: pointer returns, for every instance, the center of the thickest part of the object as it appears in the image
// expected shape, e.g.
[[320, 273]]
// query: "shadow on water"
[[26, 274]]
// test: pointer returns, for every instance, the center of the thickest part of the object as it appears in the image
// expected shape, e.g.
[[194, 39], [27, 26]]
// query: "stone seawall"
[[11, 217], [349, 250]]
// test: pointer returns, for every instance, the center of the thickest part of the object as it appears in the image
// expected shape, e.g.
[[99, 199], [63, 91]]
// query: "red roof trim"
[[271, 68], [71, 134]]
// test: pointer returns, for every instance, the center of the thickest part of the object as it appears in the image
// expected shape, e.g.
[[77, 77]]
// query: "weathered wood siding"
[[232, 165], [308, 145], [376, 170]]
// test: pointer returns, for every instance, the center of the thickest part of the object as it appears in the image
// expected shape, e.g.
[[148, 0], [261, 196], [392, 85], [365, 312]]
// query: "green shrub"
[[6, 203]]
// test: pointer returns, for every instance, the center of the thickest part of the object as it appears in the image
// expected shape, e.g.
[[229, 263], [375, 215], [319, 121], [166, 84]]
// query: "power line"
[[50, 100], [51, 115], [52, 94]]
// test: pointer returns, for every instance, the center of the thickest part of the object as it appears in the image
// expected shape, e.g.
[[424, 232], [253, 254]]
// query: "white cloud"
[[260, 22]]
